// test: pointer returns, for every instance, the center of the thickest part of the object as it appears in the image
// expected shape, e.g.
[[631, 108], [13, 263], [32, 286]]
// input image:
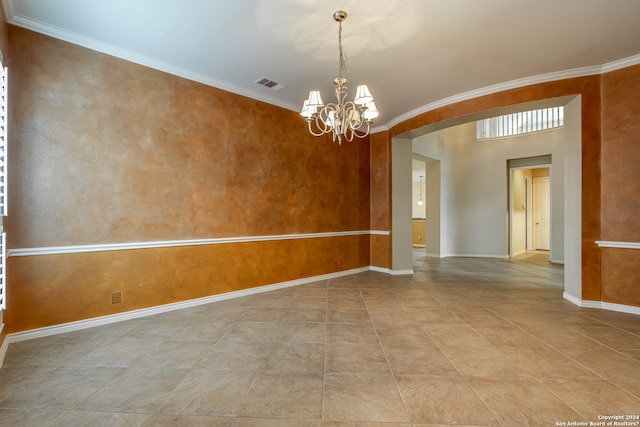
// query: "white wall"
[[474, 179], [433, 212], [401, 223], [573, 200]]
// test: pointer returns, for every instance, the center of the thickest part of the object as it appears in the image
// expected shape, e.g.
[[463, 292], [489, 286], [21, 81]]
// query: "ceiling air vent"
[[270, 83]]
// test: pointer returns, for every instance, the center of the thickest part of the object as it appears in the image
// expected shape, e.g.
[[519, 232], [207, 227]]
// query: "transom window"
[[520, 123]]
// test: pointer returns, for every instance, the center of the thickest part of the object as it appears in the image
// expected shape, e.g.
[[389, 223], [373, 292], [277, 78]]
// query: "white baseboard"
[[431, 255], [602, 305], [556, 261], [477, 256], [574, 300], [516, 253], [144, 312], [401, 272], [390, 271]]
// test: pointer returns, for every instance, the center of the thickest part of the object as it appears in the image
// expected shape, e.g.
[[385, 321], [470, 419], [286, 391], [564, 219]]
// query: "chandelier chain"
[[343, 56]]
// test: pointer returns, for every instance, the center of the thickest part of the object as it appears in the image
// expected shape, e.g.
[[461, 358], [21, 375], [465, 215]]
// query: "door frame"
[[529, 211]]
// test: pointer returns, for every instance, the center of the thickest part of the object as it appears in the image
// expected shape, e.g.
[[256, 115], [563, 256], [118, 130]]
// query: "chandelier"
[[343, 120]]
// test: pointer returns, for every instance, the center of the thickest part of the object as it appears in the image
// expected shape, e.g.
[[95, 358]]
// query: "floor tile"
[[301, 332], [234, 355], [522, 402], [187, 421], [120, 352], [205, 392], [274, 422], [353, 397], [466, 342], [358, 357], [64, 352], [455, 335], [258, 331], [546, 362], [51, 386], [83, 418], [610, 336], [351, 333], [483, 361], [596, 397], [304, 315], [443, 400], [364, 424], [201, 330], [509, 336], [295, 357], [283, 395], [138, 390], [348, 315], [175, 355], [611, 365], [29, 417]]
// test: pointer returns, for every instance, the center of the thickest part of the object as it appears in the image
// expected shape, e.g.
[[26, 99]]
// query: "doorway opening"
[[530, 210], [474, 189]]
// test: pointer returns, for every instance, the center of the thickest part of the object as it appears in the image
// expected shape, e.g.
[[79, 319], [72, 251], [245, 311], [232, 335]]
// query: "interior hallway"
[[467, 342]]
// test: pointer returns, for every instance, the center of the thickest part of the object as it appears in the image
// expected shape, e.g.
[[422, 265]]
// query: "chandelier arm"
[[320, 123], [349, 135], [362, 134], [311, 129]]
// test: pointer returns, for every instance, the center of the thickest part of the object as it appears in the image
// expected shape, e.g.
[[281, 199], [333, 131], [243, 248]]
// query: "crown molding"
[[513, 84], [621, 63], [500, 87], [128, 55]]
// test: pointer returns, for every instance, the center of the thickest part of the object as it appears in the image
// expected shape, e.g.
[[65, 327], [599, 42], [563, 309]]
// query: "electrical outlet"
[[116, 297]]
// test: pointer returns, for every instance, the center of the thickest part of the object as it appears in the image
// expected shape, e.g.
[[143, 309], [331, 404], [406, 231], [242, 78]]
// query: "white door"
[[541, 213]]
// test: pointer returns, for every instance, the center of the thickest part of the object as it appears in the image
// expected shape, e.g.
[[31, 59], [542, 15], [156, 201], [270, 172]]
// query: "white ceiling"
[[413, 54]]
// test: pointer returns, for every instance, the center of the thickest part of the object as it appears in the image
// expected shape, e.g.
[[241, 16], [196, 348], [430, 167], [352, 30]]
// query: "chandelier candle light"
[[343, 120]]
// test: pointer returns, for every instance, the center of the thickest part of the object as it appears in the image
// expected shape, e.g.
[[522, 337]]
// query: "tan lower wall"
[[380, 254], [53, 289], [620, 276]]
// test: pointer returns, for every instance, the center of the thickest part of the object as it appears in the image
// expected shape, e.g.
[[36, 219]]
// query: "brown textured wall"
[[621, 184], [380, 199], [621, 276], [56, 289], [589, 87], [107, 151], [621, 155], [381, 251]]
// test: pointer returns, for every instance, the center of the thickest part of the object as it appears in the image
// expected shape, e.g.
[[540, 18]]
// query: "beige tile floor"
[[466, 342]]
